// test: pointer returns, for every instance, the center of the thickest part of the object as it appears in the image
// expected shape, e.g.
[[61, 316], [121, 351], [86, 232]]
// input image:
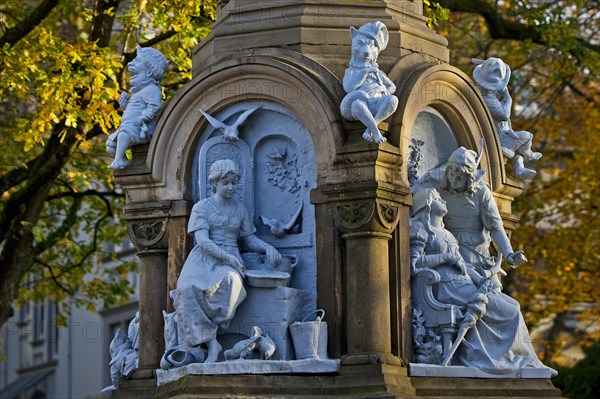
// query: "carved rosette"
[[388, 215], [353, 216], [147, 233]]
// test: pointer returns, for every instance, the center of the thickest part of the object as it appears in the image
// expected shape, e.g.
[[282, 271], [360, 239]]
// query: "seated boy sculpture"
[[140, 105]]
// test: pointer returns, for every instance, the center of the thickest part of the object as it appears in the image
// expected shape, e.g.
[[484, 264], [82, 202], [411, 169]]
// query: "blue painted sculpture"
[[370, 93], [140, 105]]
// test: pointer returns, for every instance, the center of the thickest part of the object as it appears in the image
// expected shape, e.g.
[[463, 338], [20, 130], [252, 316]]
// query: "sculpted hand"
[[512, 134], [462, 266], [236, 263], [124, 99], [273, 255], [516, 258], [487, 285], [458, 261]]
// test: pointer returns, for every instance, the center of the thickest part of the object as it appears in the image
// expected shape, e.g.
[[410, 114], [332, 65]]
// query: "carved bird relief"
[[279, 229], [230, 132]]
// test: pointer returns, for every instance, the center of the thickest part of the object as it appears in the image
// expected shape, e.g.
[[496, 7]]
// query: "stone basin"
[[254, 261], [267, 278]]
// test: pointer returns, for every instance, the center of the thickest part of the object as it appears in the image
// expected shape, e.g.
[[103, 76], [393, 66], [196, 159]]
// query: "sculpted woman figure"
[[498, 341], [473, 217], [210, 286]]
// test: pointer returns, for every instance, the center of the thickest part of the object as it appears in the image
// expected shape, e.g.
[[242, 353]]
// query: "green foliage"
[[434, 13], [59, 85], [583, 380]]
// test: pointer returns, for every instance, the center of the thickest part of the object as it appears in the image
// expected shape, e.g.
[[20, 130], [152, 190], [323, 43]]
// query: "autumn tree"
[[553, 50], [63, 65]]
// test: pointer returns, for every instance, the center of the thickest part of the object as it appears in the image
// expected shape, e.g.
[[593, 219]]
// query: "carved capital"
[[366, 216], [147, 224], [363, 207], [146, 234], [353, 216], [388, 214]]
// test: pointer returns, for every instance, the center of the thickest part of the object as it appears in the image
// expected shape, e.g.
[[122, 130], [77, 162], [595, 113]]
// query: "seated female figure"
[[210, 286], [498, 342]]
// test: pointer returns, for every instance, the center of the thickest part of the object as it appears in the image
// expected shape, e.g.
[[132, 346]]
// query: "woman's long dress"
[[209, 290], [499, 343]]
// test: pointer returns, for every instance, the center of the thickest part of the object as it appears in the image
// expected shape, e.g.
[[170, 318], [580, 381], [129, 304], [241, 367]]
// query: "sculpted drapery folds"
[[496, 338]]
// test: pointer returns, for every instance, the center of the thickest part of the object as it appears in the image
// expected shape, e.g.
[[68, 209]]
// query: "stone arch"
[[294, 81], [452, 93]]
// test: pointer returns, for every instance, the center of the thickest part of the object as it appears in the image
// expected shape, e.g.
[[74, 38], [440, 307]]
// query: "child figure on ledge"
[[492, 76], [140, 105]]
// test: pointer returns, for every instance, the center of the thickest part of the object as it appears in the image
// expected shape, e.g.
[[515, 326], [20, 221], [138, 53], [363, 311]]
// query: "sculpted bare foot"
[[118, 164]]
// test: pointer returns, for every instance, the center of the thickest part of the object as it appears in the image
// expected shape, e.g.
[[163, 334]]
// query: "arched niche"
[[276, 158], [449, 95], [289, 79], [432, 140], [282, 82]]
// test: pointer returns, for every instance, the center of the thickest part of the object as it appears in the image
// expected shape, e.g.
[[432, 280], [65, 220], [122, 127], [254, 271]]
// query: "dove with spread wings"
[[280, 229], [230, 132]]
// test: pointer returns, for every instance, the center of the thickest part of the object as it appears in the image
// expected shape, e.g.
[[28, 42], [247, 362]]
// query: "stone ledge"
[[306, 366], [366, 381], [431, 370]]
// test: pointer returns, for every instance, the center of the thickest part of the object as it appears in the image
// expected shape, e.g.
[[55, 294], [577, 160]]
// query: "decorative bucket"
[[310, 337]]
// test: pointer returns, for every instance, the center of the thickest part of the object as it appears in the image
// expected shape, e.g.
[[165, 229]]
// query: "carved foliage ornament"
[[145, 234], [415, 157], [352, 216], [388, 214], [282, 171]]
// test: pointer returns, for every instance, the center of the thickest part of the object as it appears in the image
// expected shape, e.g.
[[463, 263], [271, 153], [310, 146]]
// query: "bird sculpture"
[[230, 132], [265, 346], [244, 348], [279, 229], [259, 341]]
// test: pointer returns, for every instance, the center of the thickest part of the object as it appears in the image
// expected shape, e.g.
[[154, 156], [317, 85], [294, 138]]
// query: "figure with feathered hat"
[[473, 217], [370, 97], [492, 76]]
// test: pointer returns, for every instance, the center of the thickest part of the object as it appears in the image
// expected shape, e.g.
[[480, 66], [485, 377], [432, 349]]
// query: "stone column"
[[366, 211], [147, 224], [367, 227], [153, 299]]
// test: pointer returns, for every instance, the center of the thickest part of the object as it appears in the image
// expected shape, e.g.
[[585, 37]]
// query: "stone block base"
[[364, 381], [429, 370]]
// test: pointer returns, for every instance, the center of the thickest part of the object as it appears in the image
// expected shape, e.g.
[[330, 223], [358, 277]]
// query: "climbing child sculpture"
[[492, 76], [140, 105], [370, 97]]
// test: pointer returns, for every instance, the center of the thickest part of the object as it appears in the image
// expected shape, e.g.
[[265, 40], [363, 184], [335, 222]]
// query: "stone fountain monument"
[[303, 215]]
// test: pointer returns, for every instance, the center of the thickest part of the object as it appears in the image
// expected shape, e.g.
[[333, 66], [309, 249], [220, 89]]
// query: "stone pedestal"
[[366, 381]]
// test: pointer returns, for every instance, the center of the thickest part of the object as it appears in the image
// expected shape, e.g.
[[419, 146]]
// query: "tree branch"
[[35, 17], [87, 193], [103, 21], [501, 27], [68, 290], [164, 36], [14, 177], [61, 231]]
